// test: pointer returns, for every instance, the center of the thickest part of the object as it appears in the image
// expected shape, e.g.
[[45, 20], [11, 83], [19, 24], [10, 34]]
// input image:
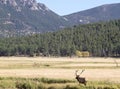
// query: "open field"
[[58, 73], [100, 69]]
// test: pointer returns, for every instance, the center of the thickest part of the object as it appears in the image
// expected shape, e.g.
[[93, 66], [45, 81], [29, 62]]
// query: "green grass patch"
[[46, 83]]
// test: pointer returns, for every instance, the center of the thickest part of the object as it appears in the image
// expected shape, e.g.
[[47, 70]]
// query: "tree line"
[[100, 39]]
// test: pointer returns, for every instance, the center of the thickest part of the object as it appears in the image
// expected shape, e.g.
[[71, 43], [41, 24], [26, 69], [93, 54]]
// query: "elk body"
[[81, 80]]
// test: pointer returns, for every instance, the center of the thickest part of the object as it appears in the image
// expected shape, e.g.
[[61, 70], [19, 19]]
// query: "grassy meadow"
[[58, 73]]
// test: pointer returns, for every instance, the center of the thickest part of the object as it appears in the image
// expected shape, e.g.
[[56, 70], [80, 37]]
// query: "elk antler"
[[76, 72], [82, 72]]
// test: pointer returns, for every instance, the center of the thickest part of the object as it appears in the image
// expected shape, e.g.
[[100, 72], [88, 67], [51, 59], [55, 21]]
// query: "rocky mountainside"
[[101, 13], [22, 17]]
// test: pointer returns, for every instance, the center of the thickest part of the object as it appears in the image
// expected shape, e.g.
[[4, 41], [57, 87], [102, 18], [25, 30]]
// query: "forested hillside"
[[100, 39]]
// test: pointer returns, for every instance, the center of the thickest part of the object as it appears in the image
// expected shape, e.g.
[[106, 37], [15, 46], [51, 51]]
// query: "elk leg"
[[85, 83]]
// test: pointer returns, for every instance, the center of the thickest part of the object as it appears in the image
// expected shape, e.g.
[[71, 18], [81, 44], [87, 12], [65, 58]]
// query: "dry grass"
[[60, 68]]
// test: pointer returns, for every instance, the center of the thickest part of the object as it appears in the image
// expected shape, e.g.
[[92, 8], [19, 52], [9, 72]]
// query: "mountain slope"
[[21, 17], [101, 13]]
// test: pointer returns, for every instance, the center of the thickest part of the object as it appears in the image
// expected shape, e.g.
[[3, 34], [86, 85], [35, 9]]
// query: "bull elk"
[[81, 80]]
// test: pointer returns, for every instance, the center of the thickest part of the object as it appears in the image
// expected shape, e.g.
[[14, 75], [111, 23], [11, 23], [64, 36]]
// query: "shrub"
[[108, 88], [49, 81], [90, 87], [52, 87], [40, 86], [99, 88], [20, 85], [71, 87]]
